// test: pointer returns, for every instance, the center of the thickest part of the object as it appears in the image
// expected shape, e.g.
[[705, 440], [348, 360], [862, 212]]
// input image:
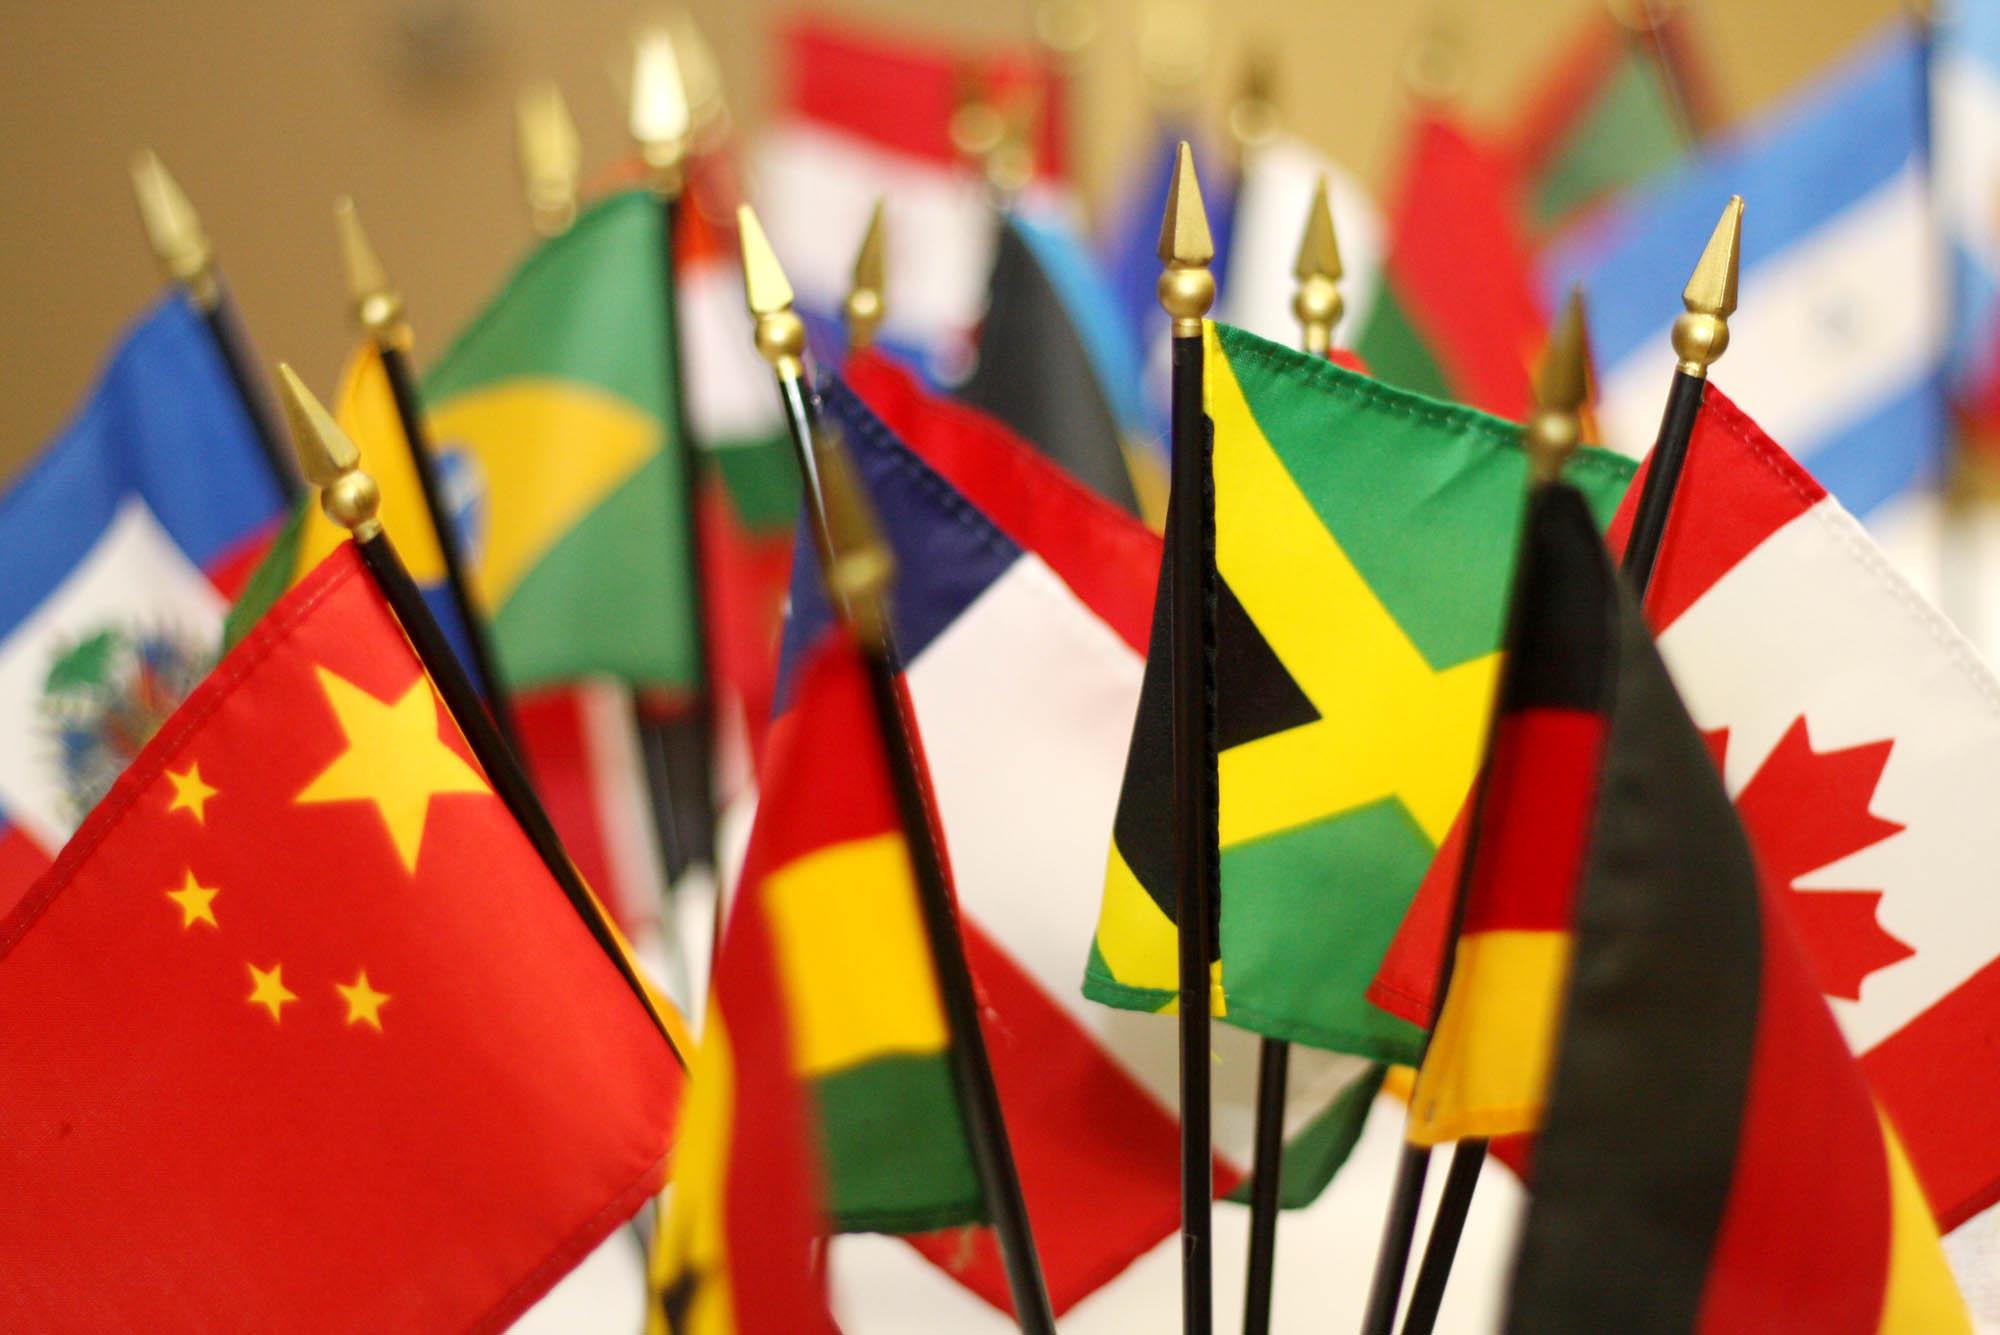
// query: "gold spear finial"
[[864, 306], [781, 335], [378, 306], [1562, 382], [551, 156], [859, 563], [174, 230], [1187, 288], [331, 462], [1317, 303], [700, 72], [659, 119], [1011, 164], [1701, 334], [1254, 117]]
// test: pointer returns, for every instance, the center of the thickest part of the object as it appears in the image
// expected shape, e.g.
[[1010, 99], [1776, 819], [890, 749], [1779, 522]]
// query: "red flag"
[[301, 1032]]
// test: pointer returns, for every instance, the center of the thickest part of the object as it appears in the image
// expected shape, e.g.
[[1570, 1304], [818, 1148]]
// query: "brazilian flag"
[[1364, 542]]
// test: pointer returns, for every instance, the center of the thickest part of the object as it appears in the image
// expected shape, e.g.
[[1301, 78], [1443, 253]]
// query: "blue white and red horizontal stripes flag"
[[123, 543], [1839, 339]]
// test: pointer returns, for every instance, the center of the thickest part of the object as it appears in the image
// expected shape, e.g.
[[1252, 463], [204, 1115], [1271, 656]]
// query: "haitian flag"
[[301, 1031], [123, 543], [1711, 1158]]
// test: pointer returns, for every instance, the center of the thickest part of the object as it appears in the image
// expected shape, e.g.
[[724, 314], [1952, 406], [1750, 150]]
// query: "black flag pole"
[[1187, 290], [349, 498], [1549, 436], [378, 308], [181, 246], [1318, 305], [661, 125], [1700, 336], [858, 567]]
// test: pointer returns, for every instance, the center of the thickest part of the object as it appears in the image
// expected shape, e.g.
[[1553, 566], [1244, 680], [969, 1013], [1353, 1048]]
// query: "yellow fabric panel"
[[1920, 1294], [852, 951], [1486, 1072], [1138, 942], [550, 451], [691, 1239], [1392, 725], [366, 410]]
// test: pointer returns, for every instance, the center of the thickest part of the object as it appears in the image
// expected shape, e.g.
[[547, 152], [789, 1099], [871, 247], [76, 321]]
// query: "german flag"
[[1487, 1063], [827, 974], [1710, 1157]]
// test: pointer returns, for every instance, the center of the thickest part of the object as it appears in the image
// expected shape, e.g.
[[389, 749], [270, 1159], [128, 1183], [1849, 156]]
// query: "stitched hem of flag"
[[583, 1240], [931, 1219], [1108, 991]]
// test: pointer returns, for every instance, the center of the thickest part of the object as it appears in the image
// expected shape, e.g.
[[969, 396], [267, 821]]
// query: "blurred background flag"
[[1272, 194], [1839, 344], [123, 543], [1965, 108]]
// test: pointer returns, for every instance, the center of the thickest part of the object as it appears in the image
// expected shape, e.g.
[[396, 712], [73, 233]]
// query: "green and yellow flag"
[[1364, 542], [557, 407]]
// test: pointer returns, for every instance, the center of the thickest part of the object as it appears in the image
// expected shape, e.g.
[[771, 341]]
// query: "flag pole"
[[857, 581], [378, 308], [661, 125], [349, 498], [1549, 436], [1318, 305], [857, 567], [551, 157], [182, 248], [1187, 290], [1700, 335]]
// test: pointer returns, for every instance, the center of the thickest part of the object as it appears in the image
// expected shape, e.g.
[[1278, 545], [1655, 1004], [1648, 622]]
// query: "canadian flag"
[[1860, 735]]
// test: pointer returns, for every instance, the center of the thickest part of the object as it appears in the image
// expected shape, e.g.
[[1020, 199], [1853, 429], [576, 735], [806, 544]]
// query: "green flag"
[[1364, 542]]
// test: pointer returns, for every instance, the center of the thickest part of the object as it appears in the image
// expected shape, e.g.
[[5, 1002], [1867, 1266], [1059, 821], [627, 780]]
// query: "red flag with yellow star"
[[301, 1033]]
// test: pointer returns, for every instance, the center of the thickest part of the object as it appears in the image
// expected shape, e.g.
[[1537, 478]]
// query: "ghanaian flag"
[[1487, 1064], [1365, 541], [1710, 1156], [822, 1095]]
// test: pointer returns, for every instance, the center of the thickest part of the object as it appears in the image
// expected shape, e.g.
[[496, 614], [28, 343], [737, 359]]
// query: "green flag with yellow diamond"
[[1364, 543], [556, 406]]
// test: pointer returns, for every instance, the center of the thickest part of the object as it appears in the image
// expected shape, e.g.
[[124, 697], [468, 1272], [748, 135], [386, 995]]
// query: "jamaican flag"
[[1364, 542], [555, 410]]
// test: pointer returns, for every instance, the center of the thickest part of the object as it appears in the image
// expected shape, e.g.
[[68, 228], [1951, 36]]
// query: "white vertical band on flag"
[[728, 385], [1271, 203]]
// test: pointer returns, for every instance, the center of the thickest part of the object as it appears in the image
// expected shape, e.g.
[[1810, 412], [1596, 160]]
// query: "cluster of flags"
[[809, 670]]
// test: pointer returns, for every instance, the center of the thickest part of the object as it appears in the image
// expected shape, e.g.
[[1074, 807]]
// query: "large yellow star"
[[267, 989], [190, 793], [364, 1003], [394, 758], [197, 902]]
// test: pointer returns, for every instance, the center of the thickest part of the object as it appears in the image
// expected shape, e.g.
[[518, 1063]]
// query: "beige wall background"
[[267, 109]]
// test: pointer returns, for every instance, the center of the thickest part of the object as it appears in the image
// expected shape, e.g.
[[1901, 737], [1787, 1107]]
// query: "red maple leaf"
[[1804, 809]]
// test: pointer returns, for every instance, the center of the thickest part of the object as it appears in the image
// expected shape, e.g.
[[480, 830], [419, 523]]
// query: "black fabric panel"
[[1255, 696], [1563, 618], [1034, 373], [1633, 1168], [1143, 827]]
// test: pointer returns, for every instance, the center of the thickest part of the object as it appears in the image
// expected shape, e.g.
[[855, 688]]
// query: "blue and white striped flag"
[[1839, 340]]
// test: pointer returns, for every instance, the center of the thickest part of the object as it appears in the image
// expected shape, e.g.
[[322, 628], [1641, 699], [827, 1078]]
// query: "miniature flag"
[[1856, 730], [1607, 116], [1839, 344], [1055, 362], [556, 399], [300, 1028], [1487, 1063], [1711, 1159], [1354, 674], [867, 116], [123, 543], [1457, 316]]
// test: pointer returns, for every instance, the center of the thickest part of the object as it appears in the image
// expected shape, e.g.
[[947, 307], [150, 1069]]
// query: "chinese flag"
[[300, 1033]]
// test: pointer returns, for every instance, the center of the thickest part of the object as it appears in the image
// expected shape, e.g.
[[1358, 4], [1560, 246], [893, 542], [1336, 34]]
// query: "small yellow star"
[[364, 1003], [394, 758], [190, 793], [268, 990], [196, 901]]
